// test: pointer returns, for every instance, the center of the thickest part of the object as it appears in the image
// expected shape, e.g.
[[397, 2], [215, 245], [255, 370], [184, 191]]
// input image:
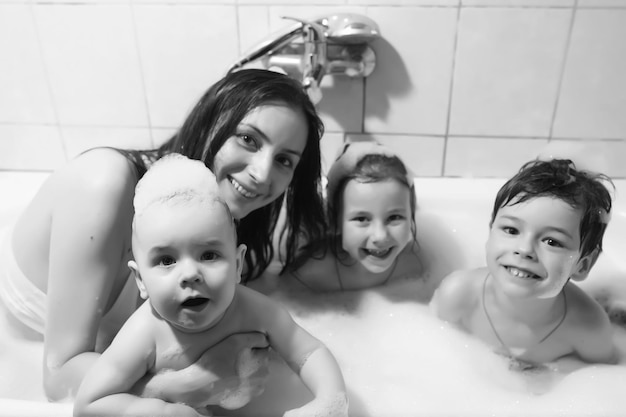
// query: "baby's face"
[[534, 247], [188, 261], [376, 222]]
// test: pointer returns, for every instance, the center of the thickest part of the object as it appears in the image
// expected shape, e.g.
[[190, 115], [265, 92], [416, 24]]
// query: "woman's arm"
[[239, 362], [90, 226]]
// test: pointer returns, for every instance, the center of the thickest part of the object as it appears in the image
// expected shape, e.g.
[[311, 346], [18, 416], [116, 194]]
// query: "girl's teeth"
[[242, 190]]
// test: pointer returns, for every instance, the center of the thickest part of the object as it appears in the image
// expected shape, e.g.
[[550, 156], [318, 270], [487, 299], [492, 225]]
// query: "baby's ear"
[[142, 288], [584, 265], [240, 256]]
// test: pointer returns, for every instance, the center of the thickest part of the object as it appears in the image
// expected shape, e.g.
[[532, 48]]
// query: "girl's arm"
[[89, 227]]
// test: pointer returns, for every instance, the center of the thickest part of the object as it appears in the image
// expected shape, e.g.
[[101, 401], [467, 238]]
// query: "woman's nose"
[[260, 168]]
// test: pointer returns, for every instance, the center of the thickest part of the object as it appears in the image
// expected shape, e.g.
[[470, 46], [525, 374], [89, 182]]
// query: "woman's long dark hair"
[[214, 119]]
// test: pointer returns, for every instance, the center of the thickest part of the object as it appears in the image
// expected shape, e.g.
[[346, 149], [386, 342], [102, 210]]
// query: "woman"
[[259, 133]]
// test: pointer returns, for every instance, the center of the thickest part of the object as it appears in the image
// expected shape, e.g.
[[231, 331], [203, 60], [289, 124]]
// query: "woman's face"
[[255, 165]]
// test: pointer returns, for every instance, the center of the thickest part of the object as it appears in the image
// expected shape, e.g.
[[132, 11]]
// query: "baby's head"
[[186, 258], [370, 205], [558, 178]]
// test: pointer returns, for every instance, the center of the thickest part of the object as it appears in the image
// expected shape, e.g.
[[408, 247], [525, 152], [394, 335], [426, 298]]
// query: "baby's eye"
[[166, 261], [209, 256]]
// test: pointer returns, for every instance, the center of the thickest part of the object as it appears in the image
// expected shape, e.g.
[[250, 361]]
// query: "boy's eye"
[[166, 261], [209, 256], [553, 242]]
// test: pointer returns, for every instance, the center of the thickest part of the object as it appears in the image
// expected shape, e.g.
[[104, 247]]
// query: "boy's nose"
[[525, 248], [190, 274]]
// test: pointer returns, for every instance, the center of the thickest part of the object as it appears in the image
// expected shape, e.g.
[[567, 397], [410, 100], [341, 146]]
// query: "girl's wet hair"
[[215, 118], [559, 178]]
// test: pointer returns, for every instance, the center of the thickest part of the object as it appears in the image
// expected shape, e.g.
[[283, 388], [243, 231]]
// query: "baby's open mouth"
[[195, 302]]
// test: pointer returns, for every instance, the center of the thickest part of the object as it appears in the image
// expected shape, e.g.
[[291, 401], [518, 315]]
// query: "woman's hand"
[[228, 374]]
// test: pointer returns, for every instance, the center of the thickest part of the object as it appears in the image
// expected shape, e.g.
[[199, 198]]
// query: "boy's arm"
[[105, 389], [595, 342], [450, 300], [310, 359]]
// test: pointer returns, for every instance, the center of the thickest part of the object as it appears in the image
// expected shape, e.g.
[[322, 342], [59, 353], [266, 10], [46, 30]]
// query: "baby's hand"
[[336, 406]]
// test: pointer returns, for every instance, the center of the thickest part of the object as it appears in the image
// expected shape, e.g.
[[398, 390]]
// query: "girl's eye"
[[209, 256], [166, 261], [396, 218], [509, 230], [360, 219]]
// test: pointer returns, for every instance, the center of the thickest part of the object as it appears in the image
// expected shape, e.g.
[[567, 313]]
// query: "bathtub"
[[397, 359]]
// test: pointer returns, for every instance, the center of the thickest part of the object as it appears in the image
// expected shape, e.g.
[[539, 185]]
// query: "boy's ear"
[[584, 265], [240, 258], [142, 288]]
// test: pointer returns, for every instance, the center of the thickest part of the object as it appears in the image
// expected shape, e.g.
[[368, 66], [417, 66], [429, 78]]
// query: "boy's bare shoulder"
[[458, 293], [583, 309]]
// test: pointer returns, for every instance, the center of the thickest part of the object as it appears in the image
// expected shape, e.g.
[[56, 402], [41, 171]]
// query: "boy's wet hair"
[[559, 178]]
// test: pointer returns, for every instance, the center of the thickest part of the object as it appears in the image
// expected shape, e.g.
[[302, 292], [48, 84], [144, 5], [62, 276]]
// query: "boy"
[[546, 230], [187, 265]]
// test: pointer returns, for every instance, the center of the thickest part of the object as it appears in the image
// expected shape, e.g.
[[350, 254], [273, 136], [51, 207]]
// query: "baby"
[[187, 265], [546, 231], [370, 209]]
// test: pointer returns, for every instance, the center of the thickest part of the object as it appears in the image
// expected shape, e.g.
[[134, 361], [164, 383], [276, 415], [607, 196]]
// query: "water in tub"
[[397, 359]]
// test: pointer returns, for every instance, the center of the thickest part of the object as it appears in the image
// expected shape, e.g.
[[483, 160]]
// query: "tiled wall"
[[461, 87]]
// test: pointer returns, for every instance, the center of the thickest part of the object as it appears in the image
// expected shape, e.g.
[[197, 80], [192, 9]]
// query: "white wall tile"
[[184, 50], [409, 3], [601, 3], [24, 97], [421, 154], [254, 26], [517, 3], [489, 157], [92, 60], [408, 92], [79, 139], [330, 146], [28, 147], [605, 156], [161, 135], [593, 95], [507, 70]]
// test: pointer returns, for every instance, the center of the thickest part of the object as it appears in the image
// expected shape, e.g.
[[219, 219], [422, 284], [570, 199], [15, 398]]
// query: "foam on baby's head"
[[175, 178]]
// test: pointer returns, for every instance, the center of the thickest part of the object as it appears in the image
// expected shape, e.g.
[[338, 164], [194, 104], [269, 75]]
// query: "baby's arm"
[[311, 360], [105, 389]]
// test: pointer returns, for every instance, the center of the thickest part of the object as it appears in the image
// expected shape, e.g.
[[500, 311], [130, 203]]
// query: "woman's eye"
[[286, 162], [246, 140], [166, 261], [209, 256]]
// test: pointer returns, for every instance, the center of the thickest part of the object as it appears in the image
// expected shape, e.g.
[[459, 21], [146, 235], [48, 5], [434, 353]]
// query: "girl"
[[371, 213]]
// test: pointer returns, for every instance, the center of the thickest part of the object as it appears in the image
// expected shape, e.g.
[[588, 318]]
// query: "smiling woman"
[[260, 134]]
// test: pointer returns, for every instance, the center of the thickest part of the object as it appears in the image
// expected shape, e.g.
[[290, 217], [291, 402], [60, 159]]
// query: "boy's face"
[[376, 222], [187, 262], [534, 247]]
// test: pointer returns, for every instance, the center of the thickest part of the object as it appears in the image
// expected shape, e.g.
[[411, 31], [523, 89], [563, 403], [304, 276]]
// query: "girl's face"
[[189, 269], [376, 222], [533, 247], [255, 166]]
